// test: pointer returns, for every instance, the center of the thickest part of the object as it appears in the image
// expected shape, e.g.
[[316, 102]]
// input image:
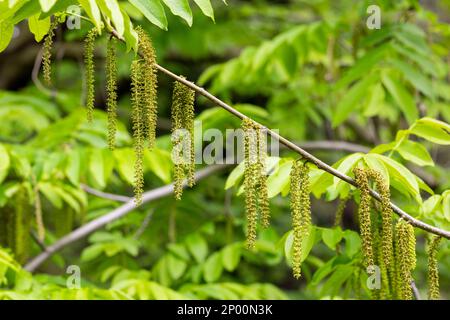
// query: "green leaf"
[[160, 163], [206, 7], [91, 252], [363, 66], [38, 27], [6, 33], [415, 152], [4, 163], [68, 198], [92, 10], [153, 11], [351, 100], [235, 176], [279, 180], [197, 246], [346, 166], [180, 8], [96, 167], [179, 250], [125, 162], [48, 190], [231, 255], [401, 177], [331, 237], [433, 130], [112, 10], [72, 168], [375, 100], [177, 267], [60, 6], [414, 76], [375, 164], [352, 243], [430, 205], [212, 269], [401, 96], [46, 5], [130, 35]]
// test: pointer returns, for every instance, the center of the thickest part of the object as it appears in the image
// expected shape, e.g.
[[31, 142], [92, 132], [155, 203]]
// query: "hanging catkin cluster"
[[396, 258], [89, 46], [47, 53], [300, 210], [150, 90], [137, 84], [340, 211], [386, 217], [433, 270], [183, 152], [111, 92], [405, 258], [144, 107], [365, 224], [255, 178], [38, 212]]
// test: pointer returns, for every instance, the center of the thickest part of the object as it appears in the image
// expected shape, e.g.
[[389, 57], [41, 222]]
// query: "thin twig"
[[307, 156], [415, 290], [105, 195], [144, 224]]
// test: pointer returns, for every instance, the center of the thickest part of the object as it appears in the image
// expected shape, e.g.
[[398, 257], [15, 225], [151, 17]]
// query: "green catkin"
[[250, 180], [365, 224], [47, 54], [406, 258], [433, 270], [182, 132], [384, 292], [111, 92], [340, 211], [300, 211], [138, 134], [89, 46], [150, 103], [386, 217], [20, 220], [189, 126], [38, 213], [263, 193]]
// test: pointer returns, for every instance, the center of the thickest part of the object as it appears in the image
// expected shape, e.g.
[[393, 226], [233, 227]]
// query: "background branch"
[[117, 213]]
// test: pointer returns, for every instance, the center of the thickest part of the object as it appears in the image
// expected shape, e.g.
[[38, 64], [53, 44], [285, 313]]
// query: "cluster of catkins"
[[301, 212], [144, 84], [255, 178], [391, 248], [183, 137]]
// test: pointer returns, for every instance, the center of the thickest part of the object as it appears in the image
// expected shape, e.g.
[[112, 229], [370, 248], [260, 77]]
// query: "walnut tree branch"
[[305, 155]]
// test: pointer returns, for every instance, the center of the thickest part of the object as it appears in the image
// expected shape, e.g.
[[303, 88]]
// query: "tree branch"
[[307, 156], [117, 213], [105, 195]]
